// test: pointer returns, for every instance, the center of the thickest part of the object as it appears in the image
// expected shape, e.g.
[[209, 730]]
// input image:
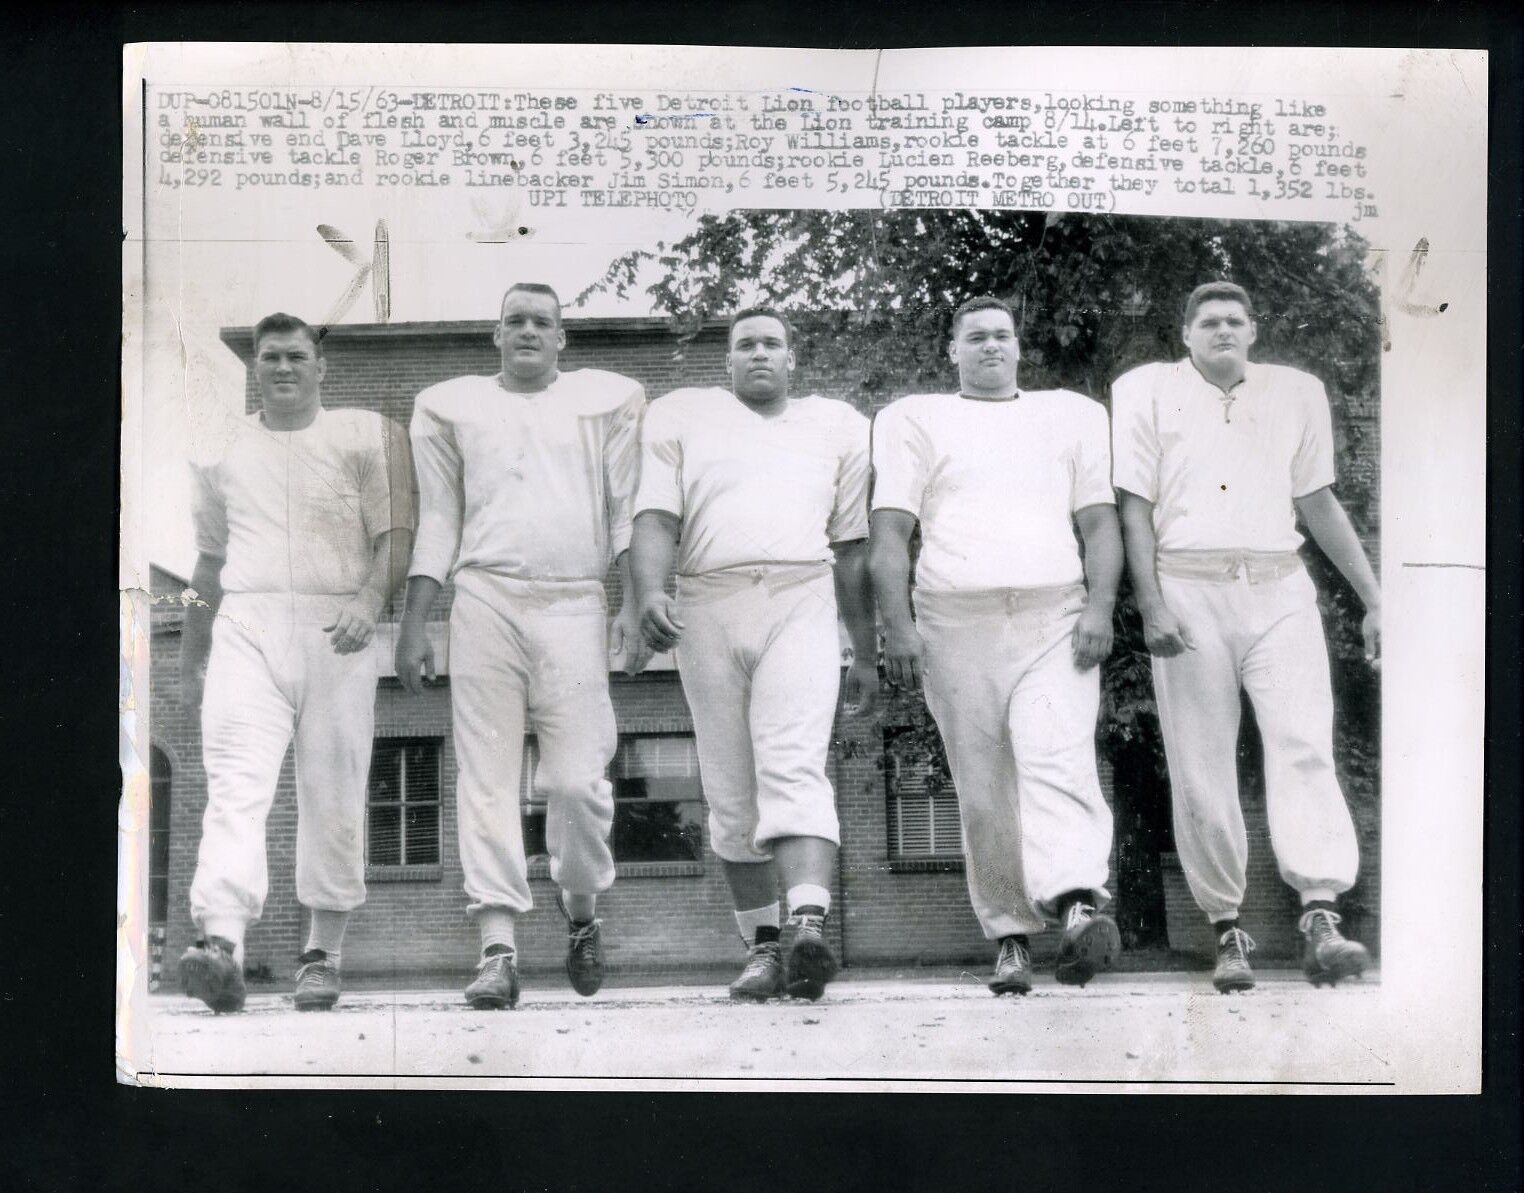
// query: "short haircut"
[[1217, 292], [762, 313], [281, 323], [530, 288], [987, 302]]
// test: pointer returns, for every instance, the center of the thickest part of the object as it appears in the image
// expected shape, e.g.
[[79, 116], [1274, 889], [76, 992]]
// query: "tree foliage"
[[1096, 294]]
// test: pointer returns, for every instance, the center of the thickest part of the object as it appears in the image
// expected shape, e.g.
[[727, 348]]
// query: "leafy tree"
[[1095, 295]]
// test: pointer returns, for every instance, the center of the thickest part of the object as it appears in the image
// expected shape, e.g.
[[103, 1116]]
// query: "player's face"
[[759, 359], [1219, 335], [289, 370], [985, 349], [529, 334]]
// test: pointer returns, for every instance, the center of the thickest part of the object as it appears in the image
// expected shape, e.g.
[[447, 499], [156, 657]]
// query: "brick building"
[[899, 893]]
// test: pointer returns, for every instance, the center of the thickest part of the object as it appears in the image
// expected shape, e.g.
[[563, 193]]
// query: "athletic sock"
[[808, 899], [751, 923], [572, 904], [326, 932], [1319, 905], [1019, 937], [1069, 898], [492, 950], [1221, 926], [767, 934], [228, 929], [496, 927]]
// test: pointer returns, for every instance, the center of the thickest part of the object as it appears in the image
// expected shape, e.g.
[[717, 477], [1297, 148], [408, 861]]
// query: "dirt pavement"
[[1121, 1030]]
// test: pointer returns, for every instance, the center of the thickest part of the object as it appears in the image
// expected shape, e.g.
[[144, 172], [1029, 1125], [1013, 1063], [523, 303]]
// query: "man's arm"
[[196, 635], [889, 566], [621, 473], [653, 547], [1162, 632], [854, 597], [628, 643], [355, 625], [414, 659], [1330, 528], [1103, 570], [441, 512]]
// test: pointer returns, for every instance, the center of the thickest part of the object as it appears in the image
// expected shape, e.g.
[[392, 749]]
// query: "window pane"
[[423, 771], [643, 787], [384, 837], [158, 898], [385, 772], [657, 832], [158, 851], [656, 756], [923, 806], [422, 835], [159, 779], [402, 825], [910, 826], [947, 828]]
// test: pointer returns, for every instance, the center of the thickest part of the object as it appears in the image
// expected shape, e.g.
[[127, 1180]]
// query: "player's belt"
[[1257, 567], [770, 578], [955, 604]]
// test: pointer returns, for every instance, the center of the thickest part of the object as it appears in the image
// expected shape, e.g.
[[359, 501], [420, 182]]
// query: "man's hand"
[[355, 625], [415, 654], [1164, 634], [861, 687], [659, 625], [1092, 637], [903, 654], [1370, 629], [627, 645], [192, 687]]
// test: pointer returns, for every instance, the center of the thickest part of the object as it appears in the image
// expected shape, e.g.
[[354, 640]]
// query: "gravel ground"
[[1121, 1031]]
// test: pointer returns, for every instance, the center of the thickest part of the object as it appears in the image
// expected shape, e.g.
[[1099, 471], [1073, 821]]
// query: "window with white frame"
[[658, 799], [402, 805], [922, 810]]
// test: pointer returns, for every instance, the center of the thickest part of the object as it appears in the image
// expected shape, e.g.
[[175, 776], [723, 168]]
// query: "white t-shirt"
[[1221, 475], [995, 484], [299, 511], [751, 489], [530, 486]]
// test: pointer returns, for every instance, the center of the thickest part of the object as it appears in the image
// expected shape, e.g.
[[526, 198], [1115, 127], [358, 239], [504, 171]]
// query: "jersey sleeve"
[[441, 492], [388, 498], [849, 514], [621, 467], [1092, 459], [1135, 435], [209, 511], [901, 461], [661, 460], [1312, 468]]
